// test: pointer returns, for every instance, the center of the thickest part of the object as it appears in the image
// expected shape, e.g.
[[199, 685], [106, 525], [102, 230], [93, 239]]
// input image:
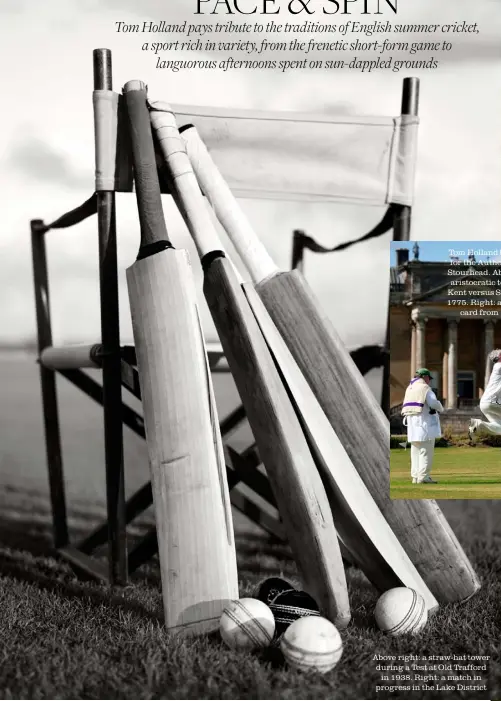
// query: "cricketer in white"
[[420, 409], [490, 403]]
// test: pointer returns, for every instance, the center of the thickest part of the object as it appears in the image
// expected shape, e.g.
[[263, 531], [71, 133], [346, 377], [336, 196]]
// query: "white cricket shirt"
[[492, 392]]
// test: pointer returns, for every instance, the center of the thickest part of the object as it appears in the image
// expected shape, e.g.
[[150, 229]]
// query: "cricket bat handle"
[[190, 201], [255, 256], [149, 201]]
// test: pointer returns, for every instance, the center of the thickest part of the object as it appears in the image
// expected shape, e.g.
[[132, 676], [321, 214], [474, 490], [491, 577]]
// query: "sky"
[[443, 251], [47, 154]]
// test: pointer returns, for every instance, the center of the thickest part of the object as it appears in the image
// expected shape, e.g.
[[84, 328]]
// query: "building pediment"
[[450, 289]]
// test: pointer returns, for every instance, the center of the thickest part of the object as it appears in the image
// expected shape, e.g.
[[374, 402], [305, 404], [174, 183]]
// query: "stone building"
[[443, 316]]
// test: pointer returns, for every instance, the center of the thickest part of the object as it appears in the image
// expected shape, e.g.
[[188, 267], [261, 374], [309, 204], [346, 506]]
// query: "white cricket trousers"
[[422, 459], [493, 414]]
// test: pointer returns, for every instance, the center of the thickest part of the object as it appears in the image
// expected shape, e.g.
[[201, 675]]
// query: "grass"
[[466, 472], [65, 638]]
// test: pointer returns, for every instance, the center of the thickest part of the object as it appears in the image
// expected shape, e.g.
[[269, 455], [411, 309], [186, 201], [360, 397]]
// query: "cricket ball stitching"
[[246, 627]]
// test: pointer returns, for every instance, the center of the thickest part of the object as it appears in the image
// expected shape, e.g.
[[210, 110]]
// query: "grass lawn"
[[63, 638], [461, 472]]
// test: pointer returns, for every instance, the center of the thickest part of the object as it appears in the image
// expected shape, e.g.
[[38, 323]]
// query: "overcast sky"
[[47, 153]]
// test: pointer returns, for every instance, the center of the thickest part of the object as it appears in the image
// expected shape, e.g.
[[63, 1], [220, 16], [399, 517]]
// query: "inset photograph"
[[445, 370]]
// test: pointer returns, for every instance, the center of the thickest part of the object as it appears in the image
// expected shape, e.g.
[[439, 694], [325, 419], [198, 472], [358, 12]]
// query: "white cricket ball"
[[312, 643], [401, 610], [247, 624]]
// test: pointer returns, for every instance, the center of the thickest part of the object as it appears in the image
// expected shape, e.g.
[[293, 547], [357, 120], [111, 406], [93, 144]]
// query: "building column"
[[452, 370], [421, 343], [488, 347], [420, 326], [445, 374], [413, 350]]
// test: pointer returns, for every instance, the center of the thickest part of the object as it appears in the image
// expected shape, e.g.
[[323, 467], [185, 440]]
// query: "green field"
[[461, 473]]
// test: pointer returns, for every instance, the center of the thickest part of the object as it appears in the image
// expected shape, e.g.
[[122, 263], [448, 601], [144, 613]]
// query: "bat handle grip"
[[227, 210], [187, 191], [149, 201]]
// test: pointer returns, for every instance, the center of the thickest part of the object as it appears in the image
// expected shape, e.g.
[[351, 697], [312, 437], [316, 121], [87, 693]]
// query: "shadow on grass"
[[27, 553], [19, 569]]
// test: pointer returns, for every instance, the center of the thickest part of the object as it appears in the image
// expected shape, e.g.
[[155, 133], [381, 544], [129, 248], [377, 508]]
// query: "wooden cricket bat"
[[296, 484], [192, 508], [341, 391], [359, 523]]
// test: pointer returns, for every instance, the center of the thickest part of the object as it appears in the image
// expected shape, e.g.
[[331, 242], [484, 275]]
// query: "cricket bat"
[[190, 493], [300, 495], [360, 525], [341, 391]]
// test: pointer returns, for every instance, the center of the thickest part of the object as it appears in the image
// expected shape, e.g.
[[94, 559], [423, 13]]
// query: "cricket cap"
[[423, 372]]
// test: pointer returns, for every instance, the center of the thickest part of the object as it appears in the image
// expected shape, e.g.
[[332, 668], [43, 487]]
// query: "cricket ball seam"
[[244, 626]]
